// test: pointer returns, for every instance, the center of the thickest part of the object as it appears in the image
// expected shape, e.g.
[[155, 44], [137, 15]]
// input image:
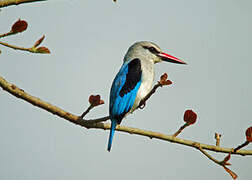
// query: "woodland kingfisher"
[[134, 81]]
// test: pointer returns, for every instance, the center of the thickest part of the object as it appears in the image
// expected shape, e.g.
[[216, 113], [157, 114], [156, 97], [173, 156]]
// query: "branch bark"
[[16, 47], [6, 34], [41, 50], [5, 3], [96, 123], [222, 163]]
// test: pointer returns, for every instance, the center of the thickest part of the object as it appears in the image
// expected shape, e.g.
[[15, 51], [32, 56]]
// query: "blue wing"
[[123, 93], [124, 89]]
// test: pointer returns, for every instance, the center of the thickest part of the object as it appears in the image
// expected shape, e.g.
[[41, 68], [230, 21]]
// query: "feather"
[[123, 93]]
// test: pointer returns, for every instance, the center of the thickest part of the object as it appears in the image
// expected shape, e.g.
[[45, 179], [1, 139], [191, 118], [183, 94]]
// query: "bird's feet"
[[142, 105]]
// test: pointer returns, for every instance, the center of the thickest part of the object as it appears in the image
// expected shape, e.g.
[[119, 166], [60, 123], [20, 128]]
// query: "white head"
[[145, 50]]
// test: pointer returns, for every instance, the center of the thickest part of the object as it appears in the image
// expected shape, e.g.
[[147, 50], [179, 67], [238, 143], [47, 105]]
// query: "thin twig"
[[6, 34], [5, 3], [221, 163], [241, 146], [98, 120], [180, 129], [41, 50], [217, 138], [17, 47], [19, 93], [87, 111], [92, 121], [208, 155]]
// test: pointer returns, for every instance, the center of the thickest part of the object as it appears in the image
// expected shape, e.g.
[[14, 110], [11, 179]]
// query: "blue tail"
[[111, 134]]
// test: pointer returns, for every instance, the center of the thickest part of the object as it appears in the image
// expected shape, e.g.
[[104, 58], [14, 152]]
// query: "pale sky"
[[88, 40]]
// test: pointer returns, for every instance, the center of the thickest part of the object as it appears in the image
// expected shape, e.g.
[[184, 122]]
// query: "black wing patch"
[[133, 76], [120, 117]]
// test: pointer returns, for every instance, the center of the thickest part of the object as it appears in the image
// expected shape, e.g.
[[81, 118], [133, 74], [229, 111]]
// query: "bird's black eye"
[[153, 50]]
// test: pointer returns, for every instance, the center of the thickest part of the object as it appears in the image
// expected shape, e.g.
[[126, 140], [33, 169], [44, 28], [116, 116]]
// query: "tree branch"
[[33, 49], [6, 34], [96, 123], [223, 163], [16, 47], [5, 3]]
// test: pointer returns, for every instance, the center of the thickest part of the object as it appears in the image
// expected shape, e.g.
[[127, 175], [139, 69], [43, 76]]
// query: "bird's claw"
[[142, 105]]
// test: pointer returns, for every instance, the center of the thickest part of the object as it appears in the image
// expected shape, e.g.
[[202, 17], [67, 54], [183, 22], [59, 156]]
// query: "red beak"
[[169, 58]]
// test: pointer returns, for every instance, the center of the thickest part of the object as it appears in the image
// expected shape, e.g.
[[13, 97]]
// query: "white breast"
[[146, 83]]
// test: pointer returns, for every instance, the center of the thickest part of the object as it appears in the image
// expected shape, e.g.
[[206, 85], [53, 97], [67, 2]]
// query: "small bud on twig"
[[164, 81], [217, 137], [189, 118], [225, 163], [226, 159], [249, 134], [19, 26], [95, 100], [43, 50], [38, 42]]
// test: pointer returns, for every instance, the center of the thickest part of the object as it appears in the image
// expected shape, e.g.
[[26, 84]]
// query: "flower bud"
[[19, 26], [190, 117]]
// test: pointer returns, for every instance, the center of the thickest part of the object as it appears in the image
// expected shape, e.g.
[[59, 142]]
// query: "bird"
[[134, 81]]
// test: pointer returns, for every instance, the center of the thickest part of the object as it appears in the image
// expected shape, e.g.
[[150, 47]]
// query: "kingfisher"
[[134, 81]]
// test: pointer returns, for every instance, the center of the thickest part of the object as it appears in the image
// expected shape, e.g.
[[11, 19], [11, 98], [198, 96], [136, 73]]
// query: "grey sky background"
[[88, 40]]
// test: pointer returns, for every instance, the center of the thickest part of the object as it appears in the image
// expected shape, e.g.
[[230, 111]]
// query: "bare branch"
[[5, 3], [6, 34], [98, 120], [241, 146], [19, 93], [86, 111], [223, 163], [42, 50], [180, 129], [16, 47]]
